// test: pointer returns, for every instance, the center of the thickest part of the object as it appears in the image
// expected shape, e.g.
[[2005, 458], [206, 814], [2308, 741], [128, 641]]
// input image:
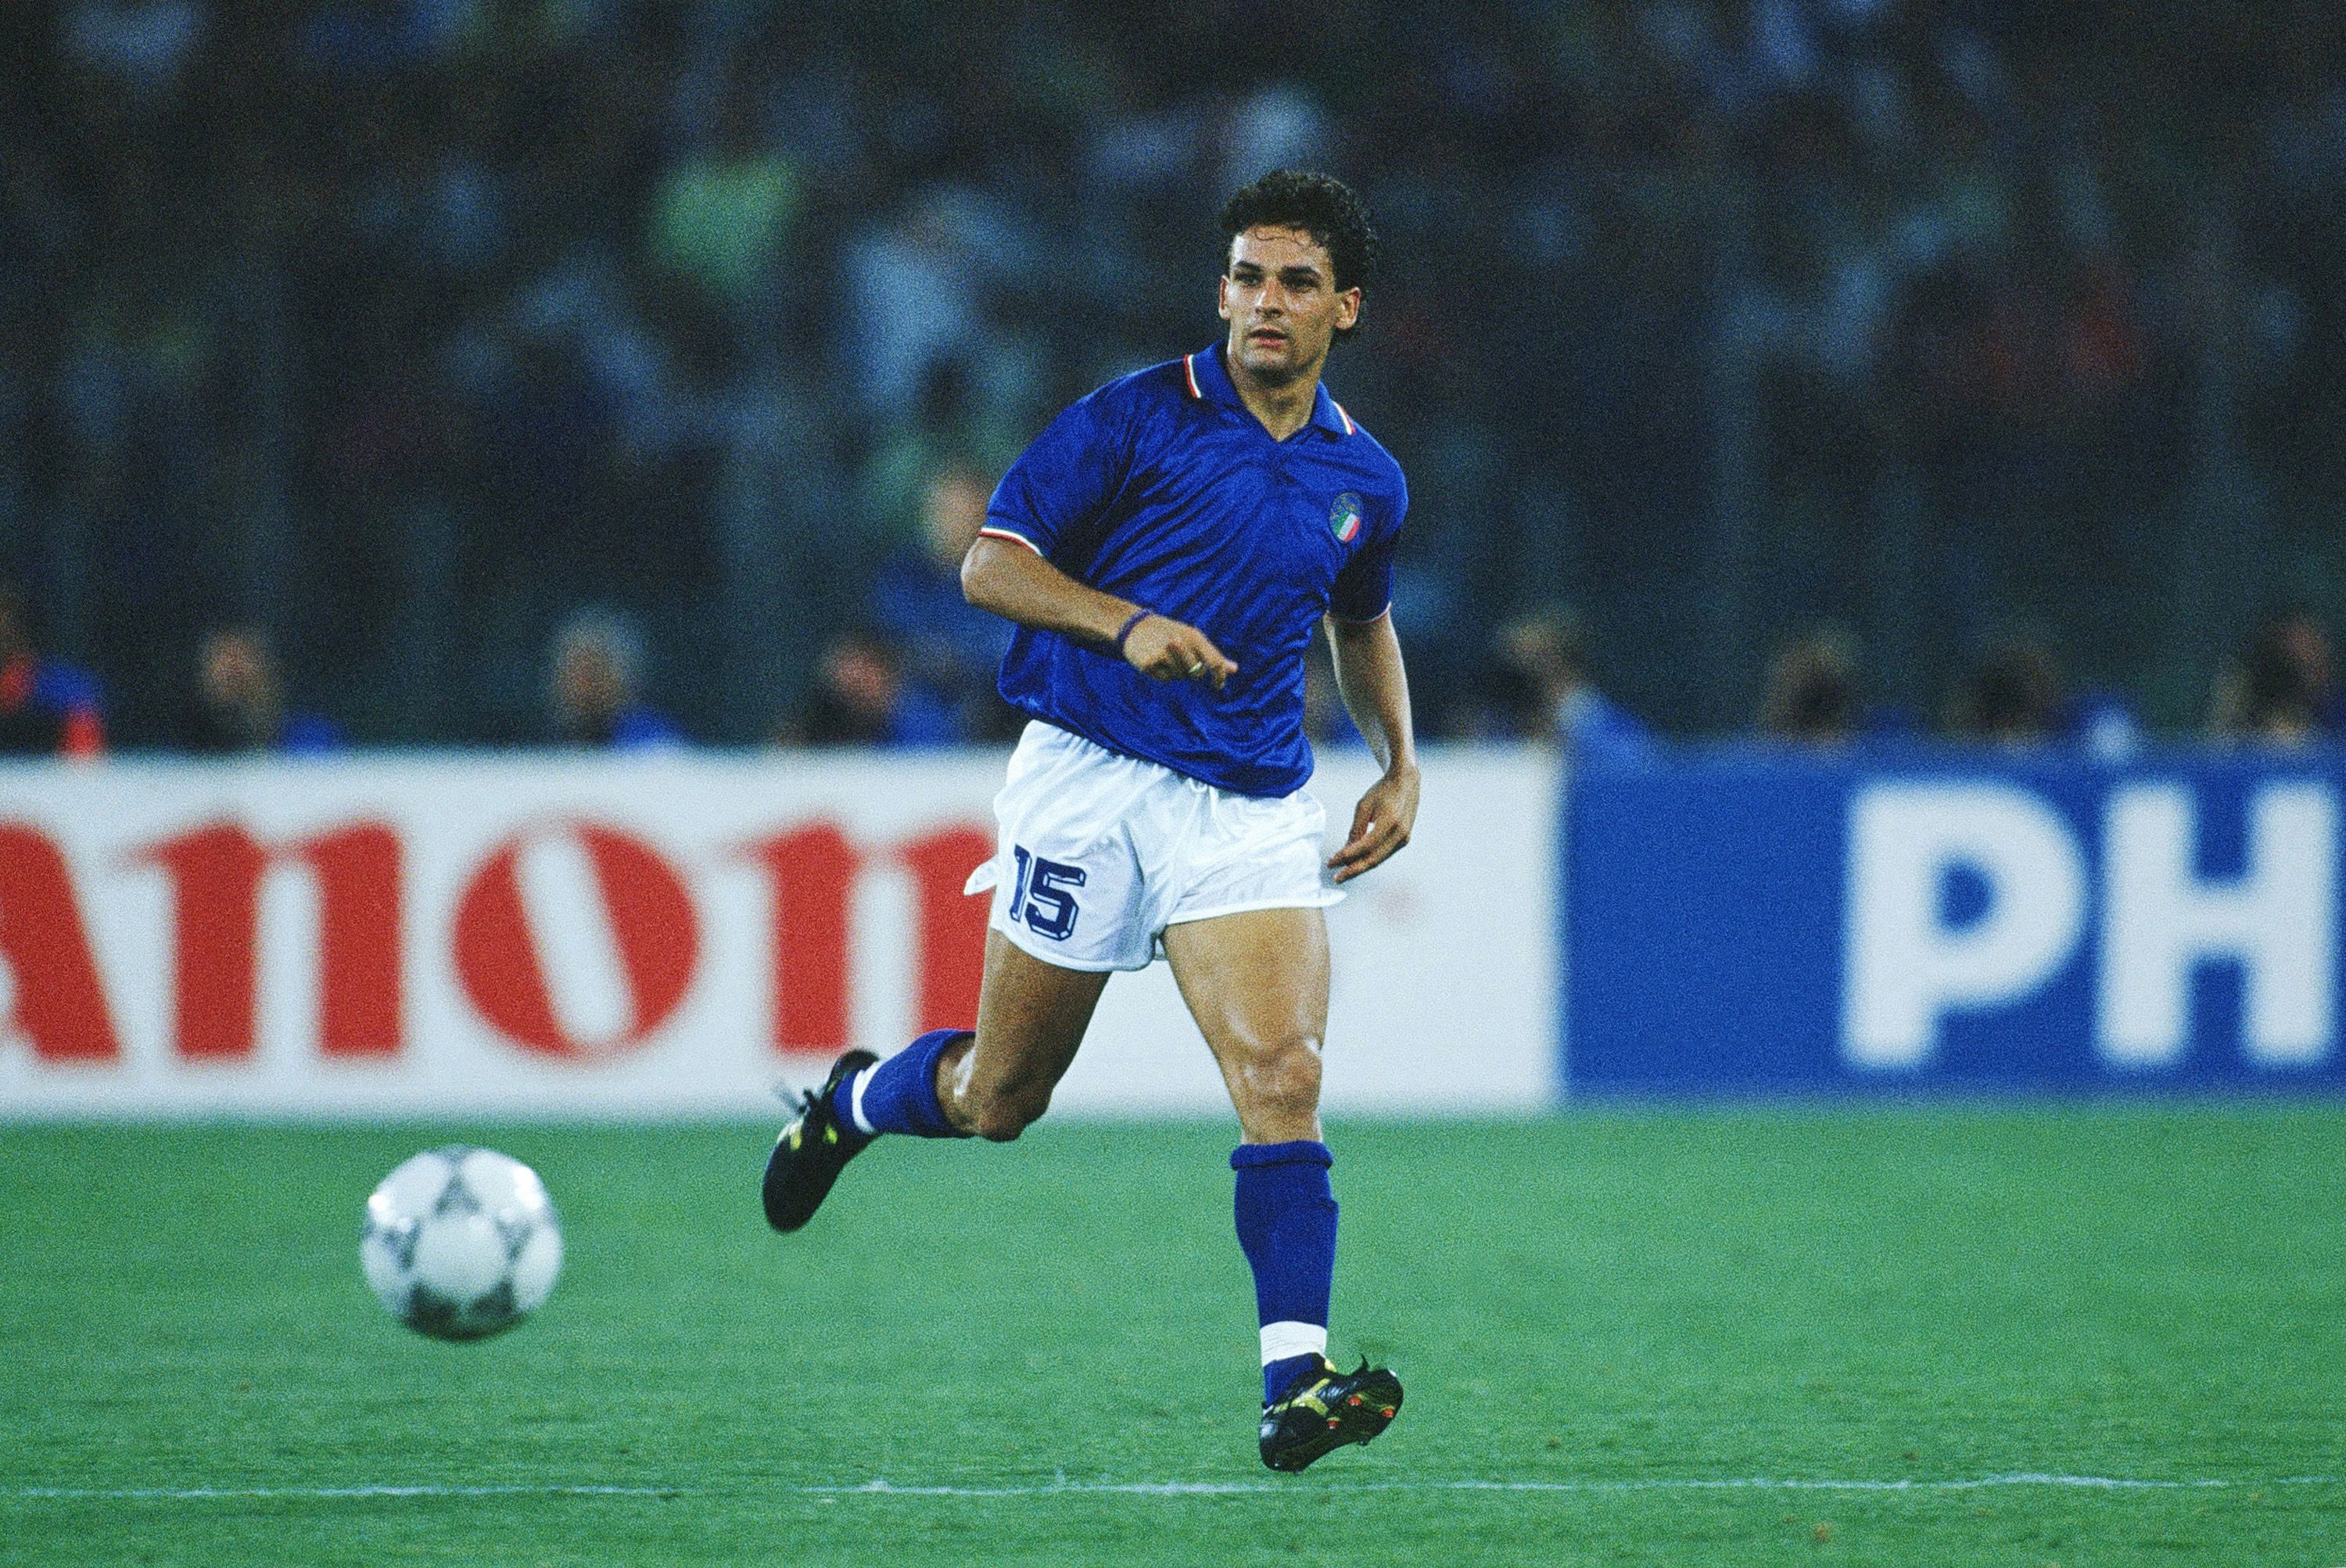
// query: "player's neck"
[[1281, 408]]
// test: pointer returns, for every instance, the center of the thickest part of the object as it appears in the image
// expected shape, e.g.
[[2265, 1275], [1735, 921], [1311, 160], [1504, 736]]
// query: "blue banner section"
[[1754, 921]]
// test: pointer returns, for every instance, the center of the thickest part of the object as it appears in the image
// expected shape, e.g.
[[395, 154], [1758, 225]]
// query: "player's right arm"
[[1060, 488], [1012, 580]]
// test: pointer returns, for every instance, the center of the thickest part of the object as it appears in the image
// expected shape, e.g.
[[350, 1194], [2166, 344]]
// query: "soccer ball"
[[461, 1243]]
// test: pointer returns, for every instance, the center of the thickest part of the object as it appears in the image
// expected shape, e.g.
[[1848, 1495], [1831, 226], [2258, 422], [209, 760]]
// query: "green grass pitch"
[[1613, 1328]]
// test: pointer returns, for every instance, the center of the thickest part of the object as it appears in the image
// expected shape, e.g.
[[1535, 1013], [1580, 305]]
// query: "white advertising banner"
[[672, 934]]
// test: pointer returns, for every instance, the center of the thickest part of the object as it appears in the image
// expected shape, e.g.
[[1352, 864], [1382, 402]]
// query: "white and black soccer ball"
[[461, 1243]]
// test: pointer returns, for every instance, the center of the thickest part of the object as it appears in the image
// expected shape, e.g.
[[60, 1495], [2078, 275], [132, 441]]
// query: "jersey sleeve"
[[1363, 586], [1066, 479]]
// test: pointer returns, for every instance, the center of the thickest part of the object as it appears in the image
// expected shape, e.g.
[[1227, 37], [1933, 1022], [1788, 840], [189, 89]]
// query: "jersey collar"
[[1209, 382]]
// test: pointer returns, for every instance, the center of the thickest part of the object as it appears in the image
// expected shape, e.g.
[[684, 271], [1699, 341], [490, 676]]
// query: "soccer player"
[[1167, 548]]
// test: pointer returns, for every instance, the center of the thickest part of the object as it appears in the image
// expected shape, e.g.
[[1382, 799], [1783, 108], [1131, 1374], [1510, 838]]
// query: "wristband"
[[1125, 630]]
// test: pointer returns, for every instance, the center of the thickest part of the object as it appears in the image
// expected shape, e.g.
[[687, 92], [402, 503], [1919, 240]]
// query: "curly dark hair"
[[1320, 205]]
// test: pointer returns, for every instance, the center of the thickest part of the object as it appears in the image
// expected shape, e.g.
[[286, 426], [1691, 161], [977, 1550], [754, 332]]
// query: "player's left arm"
[[1375, 688]]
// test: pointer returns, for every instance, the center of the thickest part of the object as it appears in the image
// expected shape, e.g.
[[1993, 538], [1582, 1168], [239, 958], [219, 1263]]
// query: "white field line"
[[1676, 1483], [1176, 1487]]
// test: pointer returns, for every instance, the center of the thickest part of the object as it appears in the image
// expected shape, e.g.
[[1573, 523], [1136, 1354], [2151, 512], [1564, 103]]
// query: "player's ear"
[[1222, 297], [1348, 310]]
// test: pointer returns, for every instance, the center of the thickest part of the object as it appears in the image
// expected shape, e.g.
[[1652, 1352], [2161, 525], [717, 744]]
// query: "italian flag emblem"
[[1344, 517]]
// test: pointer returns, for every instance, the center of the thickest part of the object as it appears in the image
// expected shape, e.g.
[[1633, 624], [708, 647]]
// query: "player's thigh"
[[1031, 1016], [1257, 983]]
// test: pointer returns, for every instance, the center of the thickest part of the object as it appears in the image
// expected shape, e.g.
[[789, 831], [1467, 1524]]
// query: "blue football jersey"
[[1162, 488]]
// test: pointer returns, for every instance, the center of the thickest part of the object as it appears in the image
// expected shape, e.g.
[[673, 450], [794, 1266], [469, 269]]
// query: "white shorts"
[[1099, 852]]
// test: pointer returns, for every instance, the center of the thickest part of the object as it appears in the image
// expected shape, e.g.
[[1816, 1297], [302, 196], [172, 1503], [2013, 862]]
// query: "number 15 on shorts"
[[1043, 892]]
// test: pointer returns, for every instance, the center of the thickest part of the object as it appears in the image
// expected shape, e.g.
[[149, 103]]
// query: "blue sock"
[[900, 1095], [1287, 1226]]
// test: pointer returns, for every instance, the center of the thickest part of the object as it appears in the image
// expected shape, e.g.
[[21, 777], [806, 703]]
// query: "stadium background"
[[478, 486], [401, 329]]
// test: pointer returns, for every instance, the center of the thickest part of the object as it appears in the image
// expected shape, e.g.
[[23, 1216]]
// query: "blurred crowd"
[[614, 372], [2279, 691], [929, 682]]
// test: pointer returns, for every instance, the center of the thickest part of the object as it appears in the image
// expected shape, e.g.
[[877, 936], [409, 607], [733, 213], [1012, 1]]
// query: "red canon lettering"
[[652, 926], [60, 1007], [360, 940], [216, 873], [953, 924], [812, 871]]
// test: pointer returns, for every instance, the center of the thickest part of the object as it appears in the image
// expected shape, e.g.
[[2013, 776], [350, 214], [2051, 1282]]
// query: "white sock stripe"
[[1280, 1340], [855, 1101]]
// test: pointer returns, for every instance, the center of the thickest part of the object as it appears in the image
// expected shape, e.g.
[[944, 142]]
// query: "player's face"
[[1280, 298]]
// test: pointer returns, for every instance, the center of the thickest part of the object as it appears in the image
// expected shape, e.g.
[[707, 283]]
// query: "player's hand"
[[1381, 824], [1165, 649]]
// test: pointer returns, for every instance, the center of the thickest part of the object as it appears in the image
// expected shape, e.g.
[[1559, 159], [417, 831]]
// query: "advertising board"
[[668, 935], [1742, 919]]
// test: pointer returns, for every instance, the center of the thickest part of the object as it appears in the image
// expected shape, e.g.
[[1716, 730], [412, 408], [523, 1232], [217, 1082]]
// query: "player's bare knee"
[[1001, 1121], [1000, 1117], [1283, 1079]]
